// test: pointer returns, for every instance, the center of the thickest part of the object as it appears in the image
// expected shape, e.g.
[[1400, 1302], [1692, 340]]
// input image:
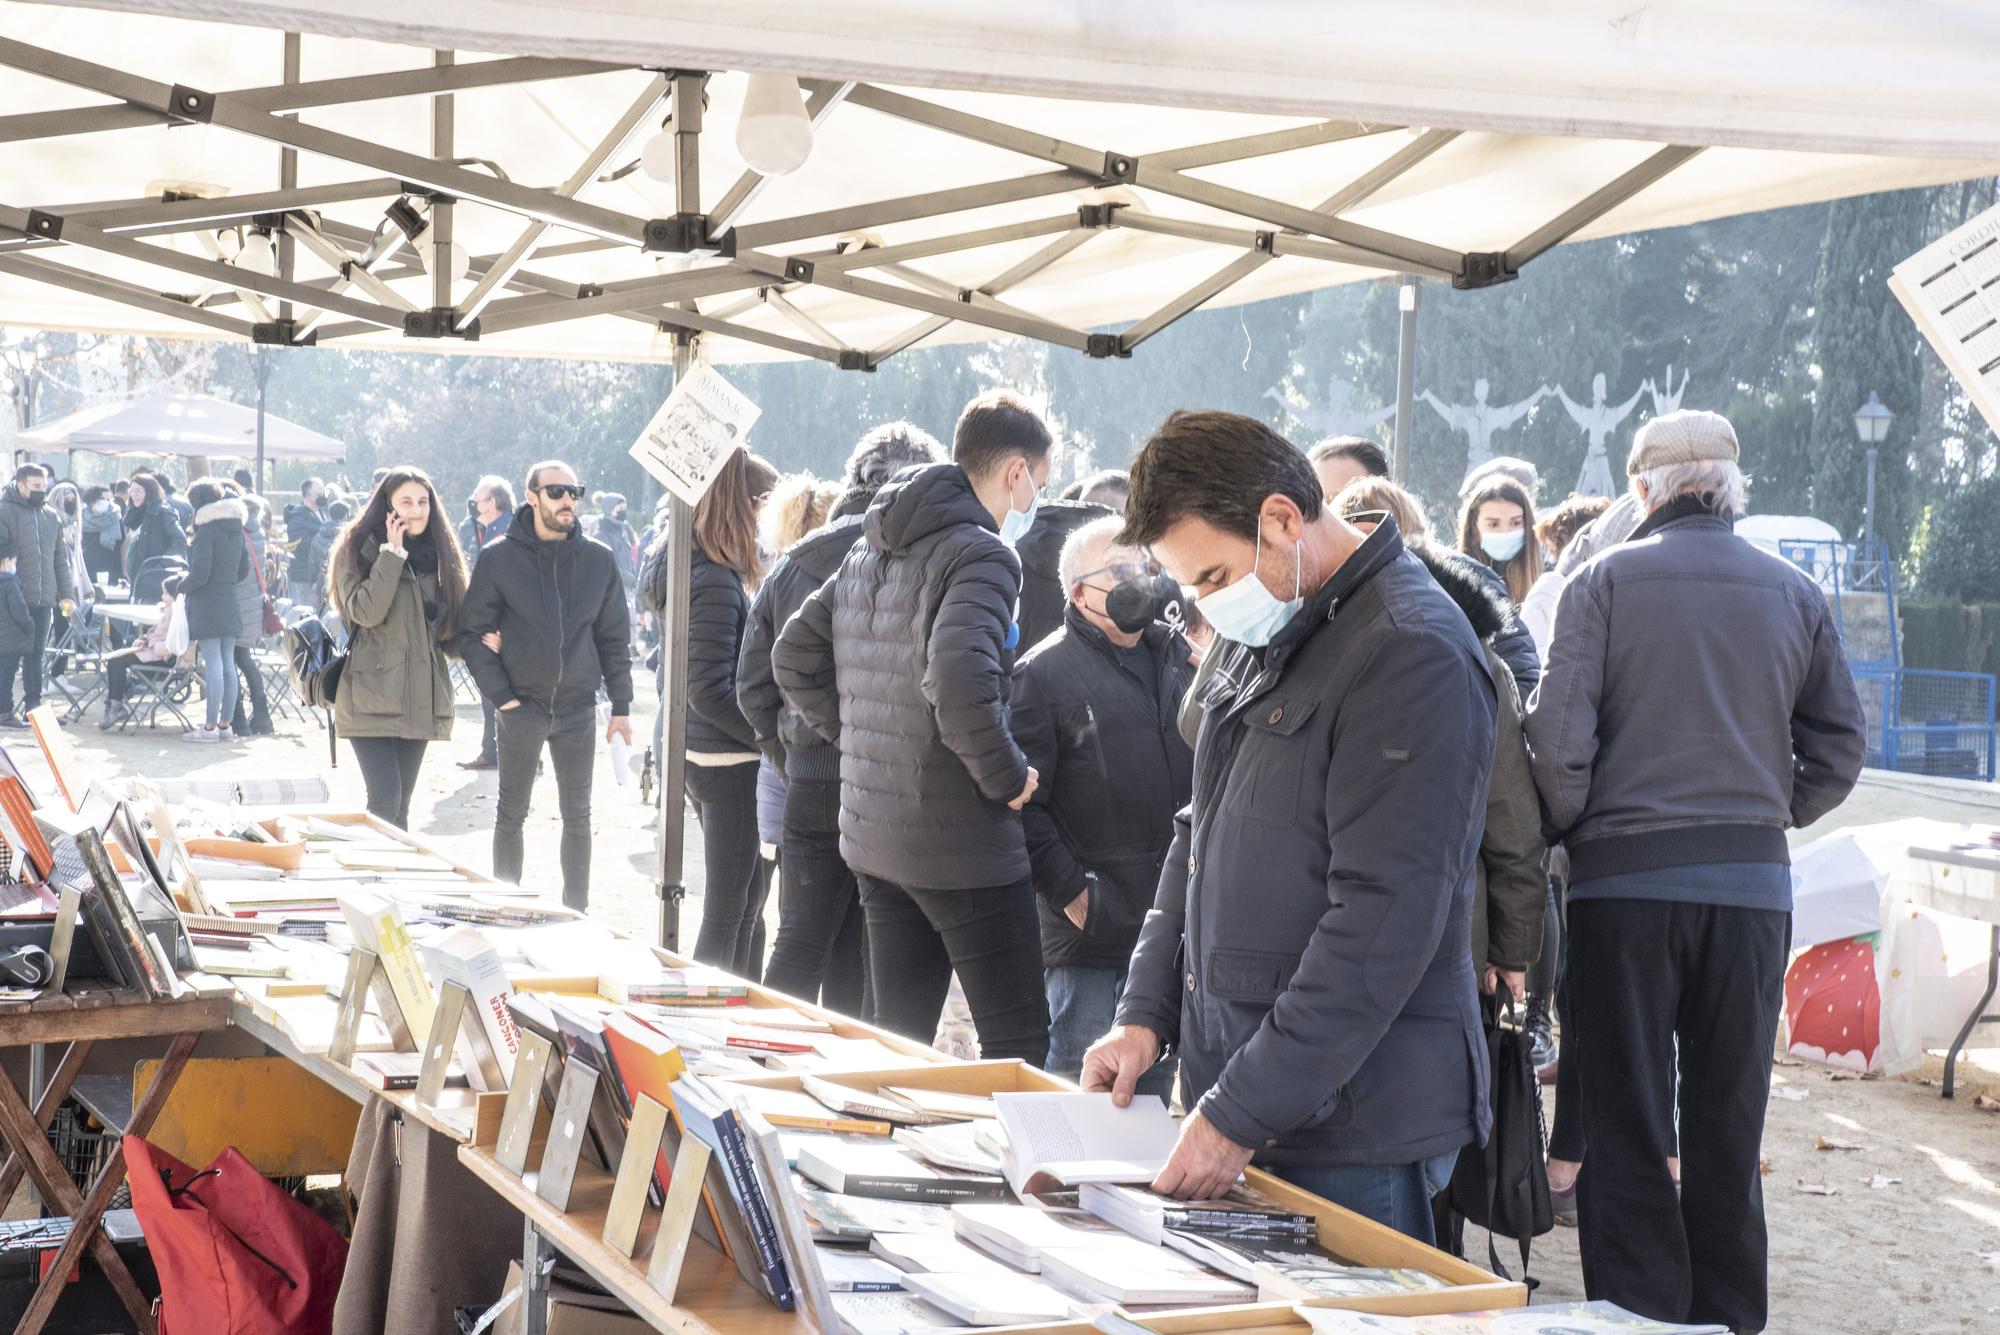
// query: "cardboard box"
[[572, 1311]]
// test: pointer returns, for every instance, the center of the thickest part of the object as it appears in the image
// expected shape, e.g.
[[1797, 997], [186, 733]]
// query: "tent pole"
[[263, 381], [1406, 374]]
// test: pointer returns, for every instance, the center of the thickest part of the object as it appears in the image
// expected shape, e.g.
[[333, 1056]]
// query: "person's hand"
[[1516, 980], [491, 639], [67, 606], [1114, 1063], [1079, 908], [396, 529], [1034, 779], [511, 704], [620, 726], [1204, 1165]]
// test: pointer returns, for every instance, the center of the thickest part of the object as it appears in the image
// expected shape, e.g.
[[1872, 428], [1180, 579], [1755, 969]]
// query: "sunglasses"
[[561, 491]]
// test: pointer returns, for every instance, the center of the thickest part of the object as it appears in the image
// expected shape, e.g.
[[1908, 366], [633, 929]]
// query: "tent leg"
[[1406, 376], [674, 685]]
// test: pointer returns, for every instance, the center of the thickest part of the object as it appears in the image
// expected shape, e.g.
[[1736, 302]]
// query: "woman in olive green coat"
[[398, 580]]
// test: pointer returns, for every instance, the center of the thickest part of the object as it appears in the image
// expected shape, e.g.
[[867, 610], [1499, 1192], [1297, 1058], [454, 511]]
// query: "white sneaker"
[[225, 733], [201, 735]]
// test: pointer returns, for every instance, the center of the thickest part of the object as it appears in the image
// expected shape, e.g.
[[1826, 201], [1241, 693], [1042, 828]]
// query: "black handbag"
[[1503, 1186]]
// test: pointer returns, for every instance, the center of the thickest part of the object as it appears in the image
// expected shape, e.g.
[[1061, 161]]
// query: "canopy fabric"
[[1199, 155], [186, 425]]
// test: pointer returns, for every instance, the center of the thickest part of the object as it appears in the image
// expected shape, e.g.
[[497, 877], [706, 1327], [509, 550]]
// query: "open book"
[[1077, 1138]]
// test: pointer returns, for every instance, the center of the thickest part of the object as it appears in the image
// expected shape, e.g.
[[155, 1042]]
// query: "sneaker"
[[113, 716], [225, 733], [1541, 1037], [14, 721], [480, 762], [199, 735]]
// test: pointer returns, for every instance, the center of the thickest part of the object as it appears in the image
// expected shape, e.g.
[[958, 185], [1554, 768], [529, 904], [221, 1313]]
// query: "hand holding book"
[[1204, 1163]]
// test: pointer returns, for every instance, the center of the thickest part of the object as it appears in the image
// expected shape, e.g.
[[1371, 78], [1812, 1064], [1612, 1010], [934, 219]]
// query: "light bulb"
[[461, 258], [773, 134], [257, 254], [657, 157]]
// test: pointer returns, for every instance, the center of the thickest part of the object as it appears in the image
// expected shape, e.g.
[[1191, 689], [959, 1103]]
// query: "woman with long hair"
[[397, 578], [218, 559], [154, 535], [1497, 527], [722, 754]]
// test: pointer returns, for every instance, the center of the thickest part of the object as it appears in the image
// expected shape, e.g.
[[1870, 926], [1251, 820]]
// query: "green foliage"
[[1955, 552], [1950, 636]]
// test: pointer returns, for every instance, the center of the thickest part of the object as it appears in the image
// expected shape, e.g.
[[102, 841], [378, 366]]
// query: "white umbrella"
[[189, 425]]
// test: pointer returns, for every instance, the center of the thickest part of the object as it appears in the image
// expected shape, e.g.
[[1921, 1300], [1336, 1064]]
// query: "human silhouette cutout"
[[1338, 415], [1480, 419], [1599, 420], [1671, 400]]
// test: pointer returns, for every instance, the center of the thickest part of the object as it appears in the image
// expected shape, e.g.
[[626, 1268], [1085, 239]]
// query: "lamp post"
[[1871, 424]]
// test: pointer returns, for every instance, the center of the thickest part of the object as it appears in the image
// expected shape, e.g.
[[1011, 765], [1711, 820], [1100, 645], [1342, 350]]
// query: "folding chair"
[[151, 687], [74, 665], [462, 680]]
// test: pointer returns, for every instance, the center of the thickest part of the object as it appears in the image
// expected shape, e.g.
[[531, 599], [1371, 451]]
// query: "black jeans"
[[1643, 972], [31, 662], [571, 737], [821, 951], [389, 767], [991, 937], [11, 665], [260, 710], [732, 900]]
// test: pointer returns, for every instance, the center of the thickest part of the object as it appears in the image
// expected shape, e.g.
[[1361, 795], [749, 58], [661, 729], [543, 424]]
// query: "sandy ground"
[[1909, 1256]]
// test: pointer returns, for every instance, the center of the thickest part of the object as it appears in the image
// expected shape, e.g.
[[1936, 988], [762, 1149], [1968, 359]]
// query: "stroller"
[[153, 572]]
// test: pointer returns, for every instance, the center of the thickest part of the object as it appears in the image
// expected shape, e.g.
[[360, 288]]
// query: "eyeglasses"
[[561, 491], [1120, 571]]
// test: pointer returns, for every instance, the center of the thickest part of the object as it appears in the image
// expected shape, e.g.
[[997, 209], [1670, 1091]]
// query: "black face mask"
[[471, 508], [617, 516], [36, 499], [1135, 604]]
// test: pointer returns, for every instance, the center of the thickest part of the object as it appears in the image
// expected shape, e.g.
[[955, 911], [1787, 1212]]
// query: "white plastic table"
[[1963, 881]]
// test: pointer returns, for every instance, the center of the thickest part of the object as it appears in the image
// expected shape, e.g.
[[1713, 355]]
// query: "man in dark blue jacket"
[[492, 504], [1306, 954]]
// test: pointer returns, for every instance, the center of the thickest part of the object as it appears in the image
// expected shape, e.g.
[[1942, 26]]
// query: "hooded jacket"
[[397, 682], [1307, 951], [35, 532], [1100, 726], [899, 659], [156, 533], [302, 525], [1043, 597], [619, 537], [1507, 909], [782, 734], [560, 609], [218, 559]]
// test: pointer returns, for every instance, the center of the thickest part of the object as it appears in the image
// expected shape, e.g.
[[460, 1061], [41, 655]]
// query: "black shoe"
[[1541, 1037], [13, 721], [260, 727], [480, 762]]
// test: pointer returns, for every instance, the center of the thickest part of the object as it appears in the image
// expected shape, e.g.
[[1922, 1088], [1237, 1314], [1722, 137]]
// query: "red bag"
[[235, 1255]]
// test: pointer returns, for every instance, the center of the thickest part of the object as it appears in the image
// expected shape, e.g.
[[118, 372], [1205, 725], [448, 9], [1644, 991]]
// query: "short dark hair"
[[535, 473], [1111, 488], [339, 510], [93, 494], [205, 492], [166, 483], [1372, 458], [883, 452], [1217, 467], [26, 471], [245, 479], [994, 427]]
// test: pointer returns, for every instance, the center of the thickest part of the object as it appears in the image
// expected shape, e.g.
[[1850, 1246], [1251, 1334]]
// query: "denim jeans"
[[1397, 1195], [489, 741], [218, 678], [252, 688], [917, 937], [571, 737], [822, 937], [389, 767], [732, 899], [1082, 1000]]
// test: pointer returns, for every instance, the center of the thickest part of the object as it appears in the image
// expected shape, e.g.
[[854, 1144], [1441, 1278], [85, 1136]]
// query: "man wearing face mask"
[[900, 659], [48, 576], [1306, 951], [1094, 711]]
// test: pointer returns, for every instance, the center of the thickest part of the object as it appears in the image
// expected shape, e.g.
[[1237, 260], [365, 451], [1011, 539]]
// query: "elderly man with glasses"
[[1094, 709]]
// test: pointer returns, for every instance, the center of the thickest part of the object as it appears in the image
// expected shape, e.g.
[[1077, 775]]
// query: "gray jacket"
[[1307, 952], [37, 537], [1696, 703]]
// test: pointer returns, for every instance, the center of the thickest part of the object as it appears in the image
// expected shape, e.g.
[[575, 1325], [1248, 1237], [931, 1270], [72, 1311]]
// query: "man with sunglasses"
[[1094, 710], [544, 625]]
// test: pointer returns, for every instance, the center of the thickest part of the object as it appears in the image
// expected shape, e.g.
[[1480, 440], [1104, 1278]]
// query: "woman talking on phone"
[[398, 581]]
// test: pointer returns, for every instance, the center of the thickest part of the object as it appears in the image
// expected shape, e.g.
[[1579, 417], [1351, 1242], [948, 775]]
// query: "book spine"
[[398, 954], [112, 955], [147, 975], [763, 1229], [925, 1192]]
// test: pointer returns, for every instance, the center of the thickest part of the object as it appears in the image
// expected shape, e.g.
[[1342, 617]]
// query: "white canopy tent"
[[194, 426], [1082, 173]]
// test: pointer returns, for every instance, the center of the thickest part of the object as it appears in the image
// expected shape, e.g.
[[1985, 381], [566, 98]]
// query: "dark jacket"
[[560, 610], [35, 532], [782, 735], [899, 659], [397, 682], [1043, 597], [218, 559], [473, 536], [717, 610], [156, 532], [103, 534], [249, 589], [1114, 770], [1507, 909], [1307, 950], [1696, 703], [17, 627], [183, 510], [302, 526], [623, 543], [1511, 641]]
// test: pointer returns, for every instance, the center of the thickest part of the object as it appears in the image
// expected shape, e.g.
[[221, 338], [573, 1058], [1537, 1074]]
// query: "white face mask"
[[1247, 612], [1017, 523]]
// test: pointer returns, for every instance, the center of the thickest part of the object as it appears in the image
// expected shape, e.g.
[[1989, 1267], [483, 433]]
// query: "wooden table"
[[80, 1019]]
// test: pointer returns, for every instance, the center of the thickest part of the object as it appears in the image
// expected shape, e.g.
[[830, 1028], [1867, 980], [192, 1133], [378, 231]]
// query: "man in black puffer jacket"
[[820, 947], [544, 624], [900, 659]]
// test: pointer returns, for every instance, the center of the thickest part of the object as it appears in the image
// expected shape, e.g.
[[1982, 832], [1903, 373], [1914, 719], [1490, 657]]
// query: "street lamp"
[[1871, 424]]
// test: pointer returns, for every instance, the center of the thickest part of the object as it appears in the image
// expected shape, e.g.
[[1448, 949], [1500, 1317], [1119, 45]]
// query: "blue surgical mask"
[[1249, 613], [1017, 523], [1503, 547]]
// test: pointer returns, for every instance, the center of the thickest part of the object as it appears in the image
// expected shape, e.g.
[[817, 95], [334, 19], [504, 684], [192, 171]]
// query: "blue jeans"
[[218, 678], [1398, 1195], [1082, 1001]]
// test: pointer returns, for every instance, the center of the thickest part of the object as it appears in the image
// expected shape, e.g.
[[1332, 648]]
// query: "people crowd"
[[1222, 778]]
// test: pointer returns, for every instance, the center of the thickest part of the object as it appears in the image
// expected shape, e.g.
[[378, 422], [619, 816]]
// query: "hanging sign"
[[703, 422]]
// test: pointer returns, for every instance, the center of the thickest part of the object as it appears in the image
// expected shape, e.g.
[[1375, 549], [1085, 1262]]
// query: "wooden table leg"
[[87, 1212], [57, 1090]]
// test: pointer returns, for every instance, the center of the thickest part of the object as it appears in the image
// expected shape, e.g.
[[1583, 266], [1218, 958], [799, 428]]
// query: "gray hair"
[[1086, 544], [1720, 479]]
